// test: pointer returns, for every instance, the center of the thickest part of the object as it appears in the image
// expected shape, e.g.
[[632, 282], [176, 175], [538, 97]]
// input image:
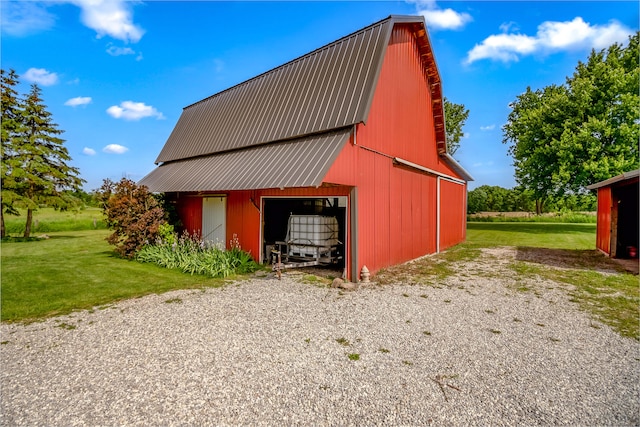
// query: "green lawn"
[[77, 270], [533, 234]]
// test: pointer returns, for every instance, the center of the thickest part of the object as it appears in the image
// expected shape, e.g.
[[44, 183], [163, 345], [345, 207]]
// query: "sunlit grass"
[[541, 235], [77, 270]]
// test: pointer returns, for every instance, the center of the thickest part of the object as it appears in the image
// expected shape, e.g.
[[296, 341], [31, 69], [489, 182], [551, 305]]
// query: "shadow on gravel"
[[566, 258]]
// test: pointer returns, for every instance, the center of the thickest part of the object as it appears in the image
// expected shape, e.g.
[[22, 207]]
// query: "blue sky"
[[116, 74]]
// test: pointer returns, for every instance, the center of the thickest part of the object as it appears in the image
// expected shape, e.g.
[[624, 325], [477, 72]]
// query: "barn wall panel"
[[396, 205], [452, 213], [603, 231], [400, 121], [381, 218], [429, 208], [190, 212], [243, 220], [395, 215]]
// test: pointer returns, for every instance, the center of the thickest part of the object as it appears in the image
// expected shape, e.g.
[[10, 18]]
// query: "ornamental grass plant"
[[193, 255]]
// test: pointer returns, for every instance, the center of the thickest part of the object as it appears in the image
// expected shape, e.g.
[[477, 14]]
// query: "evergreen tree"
[[11, 126], [38, 169]]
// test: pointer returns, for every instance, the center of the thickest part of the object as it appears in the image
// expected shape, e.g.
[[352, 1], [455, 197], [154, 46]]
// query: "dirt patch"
[[631, 265], [569, 259]]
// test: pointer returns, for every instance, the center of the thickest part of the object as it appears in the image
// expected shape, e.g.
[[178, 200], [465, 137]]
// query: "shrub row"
[[194, 256]]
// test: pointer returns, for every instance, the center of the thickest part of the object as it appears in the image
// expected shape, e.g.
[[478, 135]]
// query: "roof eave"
[[613, 180]]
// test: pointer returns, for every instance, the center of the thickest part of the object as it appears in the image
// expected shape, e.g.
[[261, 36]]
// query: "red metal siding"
[[396, 214], [453, 225], [400, 122], [243, 220], [603, 232], [397, 206], [190, 213]]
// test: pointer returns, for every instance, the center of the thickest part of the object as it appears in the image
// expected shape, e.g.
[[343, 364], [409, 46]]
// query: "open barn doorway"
[[276, 213], [624, 221]]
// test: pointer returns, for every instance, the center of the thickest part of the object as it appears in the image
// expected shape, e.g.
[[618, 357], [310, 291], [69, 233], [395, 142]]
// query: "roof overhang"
[[302, 162], [614, 180], [457, 167], [466, 176]]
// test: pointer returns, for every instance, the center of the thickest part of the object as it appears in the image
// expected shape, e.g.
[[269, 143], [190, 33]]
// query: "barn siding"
[[453, 212], [190, 212], [603, 231], [397, 206], [400, 121]]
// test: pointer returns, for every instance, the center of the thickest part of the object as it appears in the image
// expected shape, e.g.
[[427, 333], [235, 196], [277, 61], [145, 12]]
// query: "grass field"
[[77, 270], [46, 220], [545, 235]]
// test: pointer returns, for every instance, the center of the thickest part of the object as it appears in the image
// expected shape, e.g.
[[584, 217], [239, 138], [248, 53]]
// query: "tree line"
[[489, 198]]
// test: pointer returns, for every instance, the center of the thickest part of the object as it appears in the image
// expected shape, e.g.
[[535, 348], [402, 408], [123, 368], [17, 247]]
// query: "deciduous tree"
[[455, 116], [563, 138]]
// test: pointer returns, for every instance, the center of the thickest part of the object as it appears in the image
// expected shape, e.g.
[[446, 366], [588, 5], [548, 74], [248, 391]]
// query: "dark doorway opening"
[[276, 212], [627, 227]]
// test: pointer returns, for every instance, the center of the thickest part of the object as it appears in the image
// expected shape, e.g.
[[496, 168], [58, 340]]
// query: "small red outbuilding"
[[353, 130], [618, 229]]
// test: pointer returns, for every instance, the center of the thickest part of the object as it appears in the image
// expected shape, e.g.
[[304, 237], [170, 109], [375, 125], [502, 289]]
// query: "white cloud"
[[119, 51], [41, 76], [88, 151], [440, 19], [489, 127], [445, 19], [115, 149], [79, 100], [22, 18], [113, 18], [552, 36], [129, 110], [482, 164]]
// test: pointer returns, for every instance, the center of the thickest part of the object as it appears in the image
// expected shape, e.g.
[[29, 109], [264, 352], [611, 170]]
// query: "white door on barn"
[[214, 220]]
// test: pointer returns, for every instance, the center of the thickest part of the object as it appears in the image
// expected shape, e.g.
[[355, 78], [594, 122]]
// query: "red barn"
[[618, 219], [353, 130]]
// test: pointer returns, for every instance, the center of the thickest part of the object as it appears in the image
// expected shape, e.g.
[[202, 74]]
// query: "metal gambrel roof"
[[300, 162], [329, 88]]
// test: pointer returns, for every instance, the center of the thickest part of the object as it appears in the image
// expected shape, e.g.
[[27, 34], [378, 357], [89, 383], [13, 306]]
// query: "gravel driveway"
[[471, 351]]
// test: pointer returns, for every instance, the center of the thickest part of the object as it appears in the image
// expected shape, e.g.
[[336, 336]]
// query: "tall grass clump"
[[192, 255]]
